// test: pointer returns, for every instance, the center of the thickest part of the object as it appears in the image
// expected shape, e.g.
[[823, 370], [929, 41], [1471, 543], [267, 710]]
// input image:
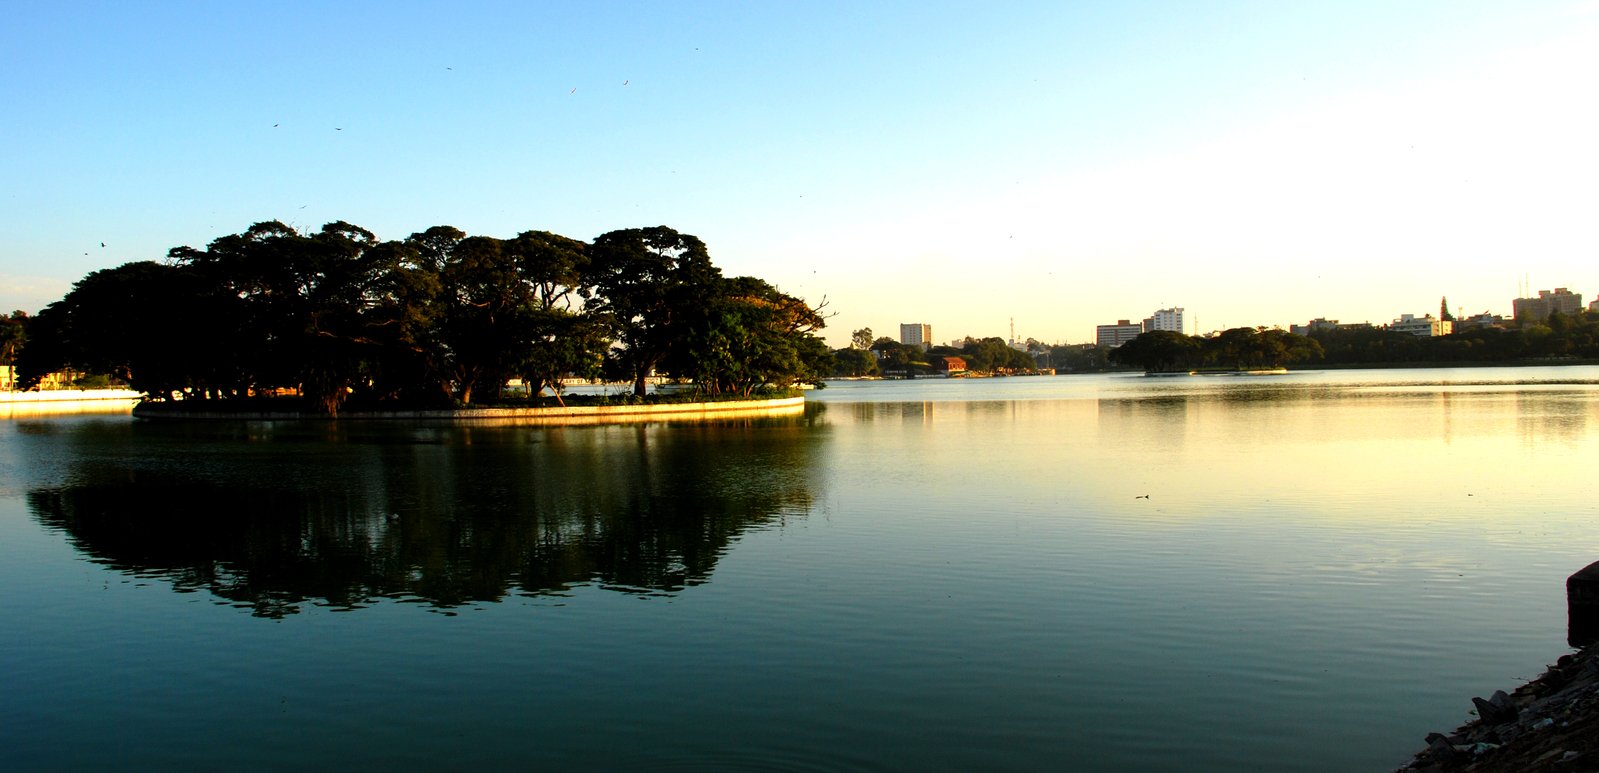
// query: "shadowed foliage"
[[339, 317]]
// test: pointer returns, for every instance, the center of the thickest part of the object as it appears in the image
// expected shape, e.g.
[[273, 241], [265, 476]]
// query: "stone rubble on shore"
[[1548, 724]]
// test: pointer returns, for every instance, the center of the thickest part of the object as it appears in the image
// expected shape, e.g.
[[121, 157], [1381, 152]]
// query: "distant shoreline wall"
[[67, 401], [555, 415]]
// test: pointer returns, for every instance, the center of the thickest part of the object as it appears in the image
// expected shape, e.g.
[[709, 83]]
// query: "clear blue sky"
[[955, 163]]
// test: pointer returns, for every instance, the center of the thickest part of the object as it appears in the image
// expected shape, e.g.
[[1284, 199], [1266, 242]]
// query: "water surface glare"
[[1305, 572]]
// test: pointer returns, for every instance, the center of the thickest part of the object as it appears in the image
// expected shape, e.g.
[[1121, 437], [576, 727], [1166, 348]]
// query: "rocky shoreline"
[[1548, 724]]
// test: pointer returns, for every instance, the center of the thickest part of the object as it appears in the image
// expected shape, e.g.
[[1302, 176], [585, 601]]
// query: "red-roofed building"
[[952, 366]]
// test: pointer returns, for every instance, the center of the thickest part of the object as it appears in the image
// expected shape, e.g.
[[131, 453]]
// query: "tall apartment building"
[[918, 333], [1538, 309], [1165, 319], [1115, 335]]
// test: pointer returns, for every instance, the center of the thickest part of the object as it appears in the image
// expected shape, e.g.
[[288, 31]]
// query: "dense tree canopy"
[[1242, 348], [653, 282], [13, 331], [1560, 337], [338, 315], [749, 333]]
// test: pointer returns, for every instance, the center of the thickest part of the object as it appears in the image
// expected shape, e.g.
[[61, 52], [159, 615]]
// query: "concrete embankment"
[[554, 415], [66, 401]]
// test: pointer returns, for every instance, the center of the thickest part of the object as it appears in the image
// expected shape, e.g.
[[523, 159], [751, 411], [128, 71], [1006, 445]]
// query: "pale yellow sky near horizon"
[[1375, 203]]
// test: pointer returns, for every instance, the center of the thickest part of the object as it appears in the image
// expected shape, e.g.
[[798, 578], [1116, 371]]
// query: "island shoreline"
[[576, 414]]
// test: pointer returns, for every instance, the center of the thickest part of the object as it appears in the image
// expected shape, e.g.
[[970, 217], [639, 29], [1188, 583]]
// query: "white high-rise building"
[[1165, 319], [918, 333]]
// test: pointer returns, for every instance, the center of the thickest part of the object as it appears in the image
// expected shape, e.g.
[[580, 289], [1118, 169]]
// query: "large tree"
[[139, 322], [13, 332], [488, 317], [568, 336], [1160, 351], [993, 355], [298, 306], [654, 283], [854, 362], [402, 324], [1243, 348], [750, 334]]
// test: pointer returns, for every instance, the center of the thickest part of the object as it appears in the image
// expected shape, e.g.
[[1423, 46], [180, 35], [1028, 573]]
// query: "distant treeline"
[[437, 318], [1562, 337], [867, 356], [1241, 348]]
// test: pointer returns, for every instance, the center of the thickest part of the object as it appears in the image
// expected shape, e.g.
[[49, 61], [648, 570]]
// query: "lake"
[[1107, 572]]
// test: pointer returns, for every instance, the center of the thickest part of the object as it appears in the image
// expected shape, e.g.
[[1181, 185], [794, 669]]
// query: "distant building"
[[1165, 319], [1422, 326], [1322, 325], [1117, 334], [917, 333], [1485, 319], [1316, 325], [952, 366], [1538, 309]]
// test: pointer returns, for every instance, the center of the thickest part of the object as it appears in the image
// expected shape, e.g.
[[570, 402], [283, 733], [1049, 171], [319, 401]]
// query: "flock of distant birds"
[[341, 128]]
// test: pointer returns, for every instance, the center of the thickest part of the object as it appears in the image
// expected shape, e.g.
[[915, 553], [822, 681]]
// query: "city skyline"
[[1062, 164], [1177, 319]]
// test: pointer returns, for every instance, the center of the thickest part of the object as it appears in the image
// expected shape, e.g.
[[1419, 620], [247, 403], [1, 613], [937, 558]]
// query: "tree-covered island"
[[436, 320], [1241, 348]]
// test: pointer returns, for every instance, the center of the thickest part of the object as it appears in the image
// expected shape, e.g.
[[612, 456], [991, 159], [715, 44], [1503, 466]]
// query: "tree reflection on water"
[[272, 519]]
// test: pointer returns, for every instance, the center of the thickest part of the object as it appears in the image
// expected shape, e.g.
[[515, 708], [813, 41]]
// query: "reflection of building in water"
[[1545, 416], [1148, 423]]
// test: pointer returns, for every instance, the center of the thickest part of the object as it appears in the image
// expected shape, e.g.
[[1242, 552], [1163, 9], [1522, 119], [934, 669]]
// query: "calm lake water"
[[1302, 572]]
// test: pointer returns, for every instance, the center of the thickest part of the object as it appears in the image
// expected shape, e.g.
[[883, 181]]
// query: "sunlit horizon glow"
[[1060, 164]]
